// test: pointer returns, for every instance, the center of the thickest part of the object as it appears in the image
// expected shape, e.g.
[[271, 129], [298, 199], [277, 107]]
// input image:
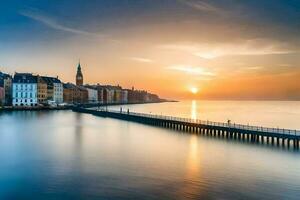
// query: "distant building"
[[79, 76], [92, 94], [111, 94], [100, 94], [108, 94], [54, 90], [58, 95], [141, 96], [2, 93], [24, 90], [6, 81], [42, 92], [74, 94], [124, 96], [117, 95], [69, 93]]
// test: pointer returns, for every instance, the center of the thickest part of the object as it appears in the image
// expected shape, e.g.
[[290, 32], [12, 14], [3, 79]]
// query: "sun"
[[194, 90]]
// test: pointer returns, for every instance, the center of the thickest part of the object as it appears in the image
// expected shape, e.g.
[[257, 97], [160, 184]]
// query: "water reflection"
[[78, 128], [65, 155], [193, 170], [194, 110]]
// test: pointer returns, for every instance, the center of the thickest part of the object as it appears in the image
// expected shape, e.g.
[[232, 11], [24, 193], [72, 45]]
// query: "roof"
[[24, 78], [69, 85], [72, 86], [109, 87], [4, 75], [92, 87], [50, 79]]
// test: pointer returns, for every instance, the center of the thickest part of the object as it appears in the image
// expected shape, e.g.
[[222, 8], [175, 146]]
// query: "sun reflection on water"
[[193, 169], [194, 116]]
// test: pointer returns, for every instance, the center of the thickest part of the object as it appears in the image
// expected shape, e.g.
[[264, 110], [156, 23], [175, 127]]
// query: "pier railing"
[[207, 122]]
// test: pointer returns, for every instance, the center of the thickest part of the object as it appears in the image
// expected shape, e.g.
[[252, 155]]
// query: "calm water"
[[65, 155]]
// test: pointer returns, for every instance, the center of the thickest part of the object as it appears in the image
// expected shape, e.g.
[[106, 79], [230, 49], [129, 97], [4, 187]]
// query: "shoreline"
[[70, 107]]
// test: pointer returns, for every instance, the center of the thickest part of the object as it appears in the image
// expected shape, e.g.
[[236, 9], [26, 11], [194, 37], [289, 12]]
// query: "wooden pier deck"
[[255, 134]]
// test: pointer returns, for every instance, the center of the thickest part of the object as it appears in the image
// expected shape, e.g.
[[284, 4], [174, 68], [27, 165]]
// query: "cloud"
[[48, 21], [191, 70], [255, 47], [200, 5], [139, 59], [254, 68]]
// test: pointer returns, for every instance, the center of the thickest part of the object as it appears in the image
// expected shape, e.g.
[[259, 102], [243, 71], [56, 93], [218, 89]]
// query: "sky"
[[179, 49]]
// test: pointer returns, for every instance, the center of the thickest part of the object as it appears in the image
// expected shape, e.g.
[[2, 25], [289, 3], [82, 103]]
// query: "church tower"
[[79, 76]]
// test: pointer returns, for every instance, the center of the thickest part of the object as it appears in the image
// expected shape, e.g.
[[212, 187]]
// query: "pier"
[[254, 134]]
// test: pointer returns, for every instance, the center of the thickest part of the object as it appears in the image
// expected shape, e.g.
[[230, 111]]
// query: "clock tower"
[[79, 76]]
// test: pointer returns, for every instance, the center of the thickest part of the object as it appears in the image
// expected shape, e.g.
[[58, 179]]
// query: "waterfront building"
[[6, 80], [141, 96], [108, 95], [92, 94], [74, 94], [117, 94], [50, 89], [111, 94], [54, 90], [100, 94], [99, 89], [2, 93], [79, 76], [124, 96], [24, 90], [42, 92], [132, 96], [58, 91], [68, 93]]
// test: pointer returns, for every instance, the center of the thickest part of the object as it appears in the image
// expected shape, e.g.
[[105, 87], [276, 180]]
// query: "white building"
[[24, 90], [92, 95], [58, 91]]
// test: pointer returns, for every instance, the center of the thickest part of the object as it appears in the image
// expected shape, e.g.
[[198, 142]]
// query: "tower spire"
[[79, 76]]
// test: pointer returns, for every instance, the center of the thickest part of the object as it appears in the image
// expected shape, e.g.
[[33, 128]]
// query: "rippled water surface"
[[66, 155]]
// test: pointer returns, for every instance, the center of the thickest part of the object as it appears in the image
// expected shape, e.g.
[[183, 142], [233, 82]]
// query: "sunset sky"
[[179, 49]]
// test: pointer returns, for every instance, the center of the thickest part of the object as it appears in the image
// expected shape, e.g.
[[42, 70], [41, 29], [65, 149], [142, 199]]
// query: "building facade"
[[54, 90], [124, 96], [74, 94], [58, 95], [24, 90], [6, 81], [92, 94], [117, 95], [100, 94], [68, 93], [42, 92], [2, 93]]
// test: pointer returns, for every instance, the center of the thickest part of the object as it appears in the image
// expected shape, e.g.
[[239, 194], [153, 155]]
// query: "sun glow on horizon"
[[194, 90]]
